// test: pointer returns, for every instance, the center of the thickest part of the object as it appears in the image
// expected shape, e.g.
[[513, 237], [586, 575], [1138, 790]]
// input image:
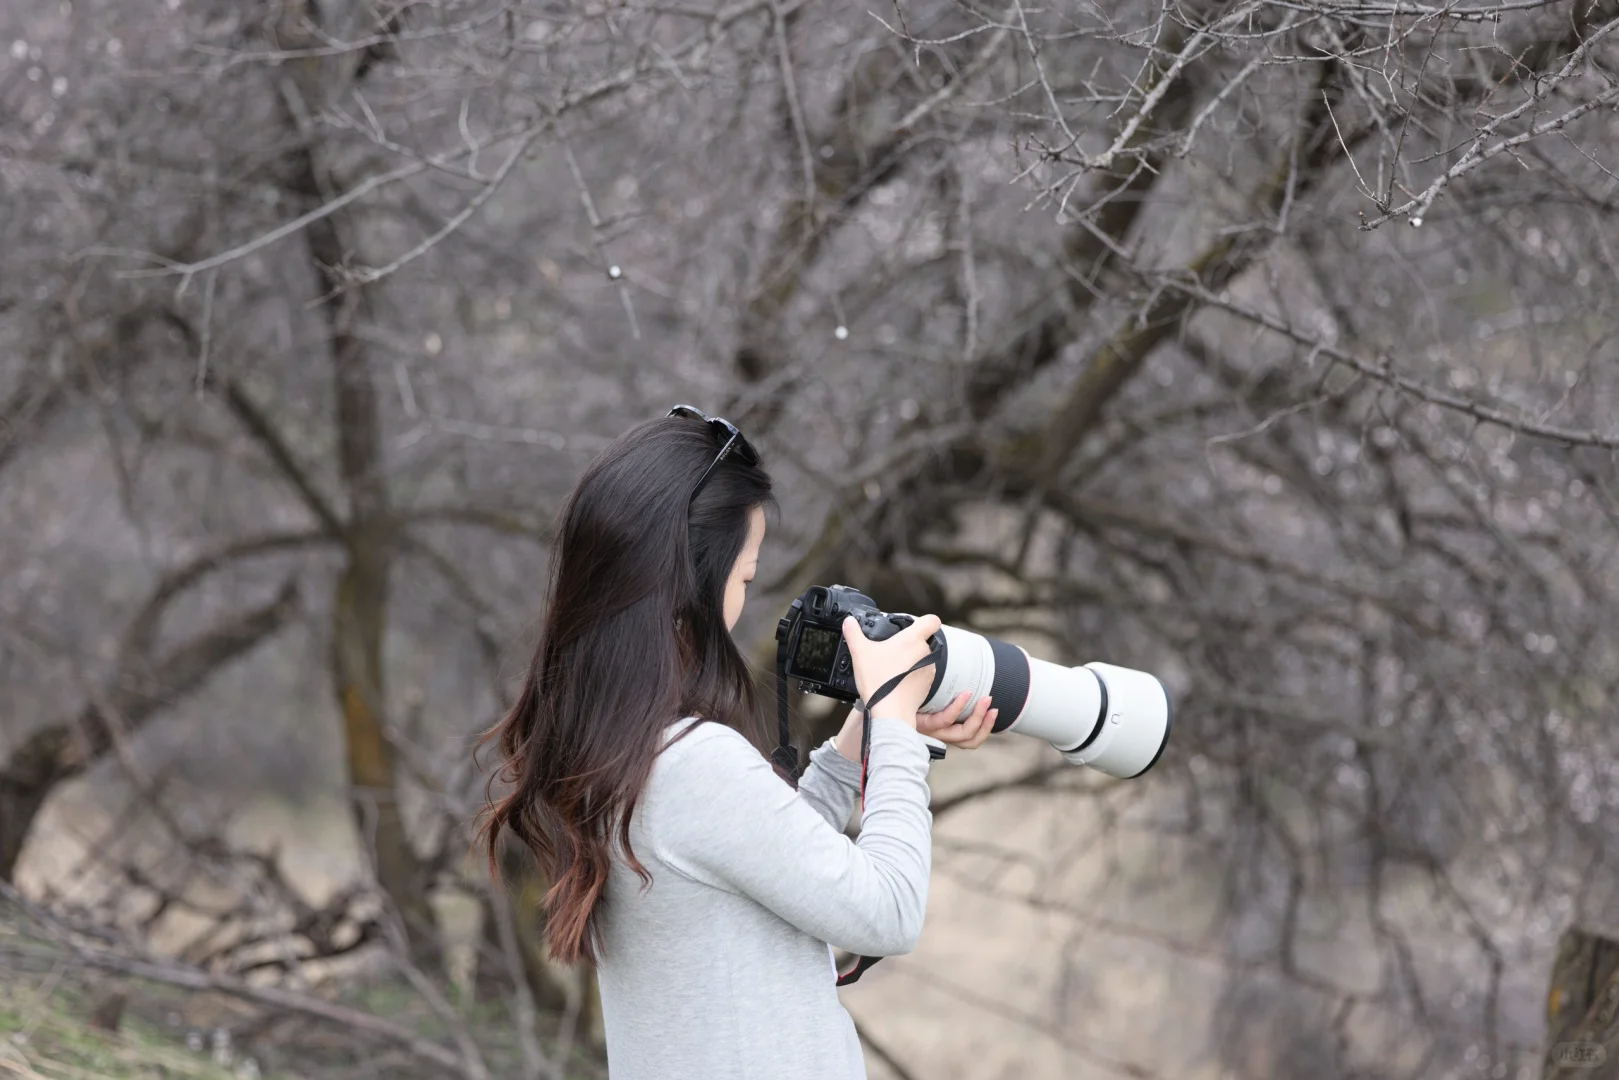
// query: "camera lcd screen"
[[817, 650]]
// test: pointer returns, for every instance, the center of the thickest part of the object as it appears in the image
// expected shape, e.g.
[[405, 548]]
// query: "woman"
[[702, 885]]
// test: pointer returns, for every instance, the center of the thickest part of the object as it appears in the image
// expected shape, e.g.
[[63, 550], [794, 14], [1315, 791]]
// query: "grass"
[[47, 1000], [44, 1035]]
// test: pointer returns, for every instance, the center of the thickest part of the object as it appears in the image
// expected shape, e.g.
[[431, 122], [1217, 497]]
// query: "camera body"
[[1116, 720], [812, 631]]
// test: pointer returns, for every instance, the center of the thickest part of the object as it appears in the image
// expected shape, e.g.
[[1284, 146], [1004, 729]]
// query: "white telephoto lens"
[[1135, 724], [1114, 719]]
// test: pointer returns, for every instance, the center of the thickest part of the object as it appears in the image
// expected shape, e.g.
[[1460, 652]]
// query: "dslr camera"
[[1114, 719]]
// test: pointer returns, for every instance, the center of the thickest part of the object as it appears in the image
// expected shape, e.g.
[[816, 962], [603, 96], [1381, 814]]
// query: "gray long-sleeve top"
[[719, 970]]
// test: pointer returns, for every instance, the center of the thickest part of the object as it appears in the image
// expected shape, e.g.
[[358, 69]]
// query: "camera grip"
[[880, 627]]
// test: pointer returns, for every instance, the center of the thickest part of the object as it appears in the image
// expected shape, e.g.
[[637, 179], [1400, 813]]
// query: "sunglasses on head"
[[726, 434]]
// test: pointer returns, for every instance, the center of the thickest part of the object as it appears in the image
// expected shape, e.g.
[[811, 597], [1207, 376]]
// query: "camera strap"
[[784, 755], [865, 707]]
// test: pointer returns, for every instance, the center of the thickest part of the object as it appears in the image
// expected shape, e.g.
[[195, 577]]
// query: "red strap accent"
[[865, 707], [859, 969], [854, 973]]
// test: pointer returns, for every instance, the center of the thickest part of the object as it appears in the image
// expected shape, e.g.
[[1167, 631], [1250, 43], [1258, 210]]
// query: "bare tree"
[[1264, 345]]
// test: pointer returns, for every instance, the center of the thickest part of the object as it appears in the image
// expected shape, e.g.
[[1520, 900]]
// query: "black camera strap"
[[865, 707], [784, 755]]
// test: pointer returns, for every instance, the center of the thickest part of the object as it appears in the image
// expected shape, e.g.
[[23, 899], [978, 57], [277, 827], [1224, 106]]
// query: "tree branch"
[[189, 978], [66, 748], [1383, 372]]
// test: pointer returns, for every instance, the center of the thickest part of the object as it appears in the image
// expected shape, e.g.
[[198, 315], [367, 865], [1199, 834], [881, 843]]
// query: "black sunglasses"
[[726, 434]]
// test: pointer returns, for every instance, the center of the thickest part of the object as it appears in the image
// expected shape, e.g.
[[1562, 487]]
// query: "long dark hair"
[[633, 639]]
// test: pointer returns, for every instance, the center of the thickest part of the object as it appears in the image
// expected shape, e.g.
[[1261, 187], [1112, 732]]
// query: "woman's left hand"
[[970, 733]]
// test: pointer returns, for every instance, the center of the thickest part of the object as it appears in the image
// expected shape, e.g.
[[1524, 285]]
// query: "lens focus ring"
[[1009, 689]]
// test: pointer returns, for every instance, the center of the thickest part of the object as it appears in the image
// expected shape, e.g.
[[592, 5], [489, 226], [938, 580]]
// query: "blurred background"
[[1268, 346]]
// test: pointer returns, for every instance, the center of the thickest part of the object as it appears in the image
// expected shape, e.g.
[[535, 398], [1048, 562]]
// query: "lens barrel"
[[1116, 720]]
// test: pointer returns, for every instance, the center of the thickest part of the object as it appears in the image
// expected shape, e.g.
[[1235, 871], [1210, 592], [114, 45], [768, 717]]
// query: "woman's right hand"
[[875, 662]]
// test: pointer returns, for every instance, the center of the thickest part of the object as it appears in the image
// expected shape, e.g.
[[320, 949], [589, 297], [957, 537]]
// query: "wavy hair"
[[633, 639]]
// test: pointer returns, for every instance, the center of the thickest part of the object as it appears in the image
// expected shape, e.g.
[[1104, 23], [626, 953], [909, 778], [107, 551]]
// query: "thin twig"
[[1384, 372], [789, 83], [615, 273], [1477, 153], [368, 275]]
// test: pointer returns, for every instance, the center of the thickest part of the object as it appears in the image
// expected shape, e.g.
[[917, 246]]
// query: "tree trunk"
[[360, 604], [357, 629], [1582, 1009], [19, 805], [360, 611]]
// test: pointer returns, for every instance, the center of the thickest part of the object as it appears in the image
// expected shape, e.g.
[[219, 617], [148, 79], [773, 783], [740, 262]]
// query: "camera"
[[1114, 719]]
